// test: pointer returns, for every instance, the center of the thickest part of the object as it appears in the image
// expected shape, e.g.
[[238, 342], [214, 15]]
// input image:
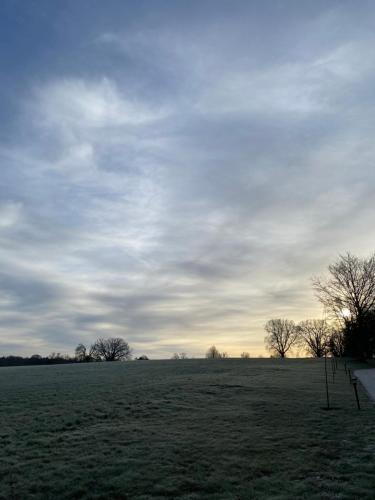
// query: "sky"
[[176, 172]]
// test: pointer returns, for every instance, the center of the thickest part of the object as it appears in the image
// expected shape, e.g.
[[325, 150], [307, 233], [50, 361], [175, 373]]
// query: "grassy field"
[[215, 429]]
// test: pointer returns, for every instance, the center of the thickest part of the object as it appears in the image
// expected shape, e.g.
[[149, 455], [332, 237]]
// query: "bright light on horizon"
[[345, 313]]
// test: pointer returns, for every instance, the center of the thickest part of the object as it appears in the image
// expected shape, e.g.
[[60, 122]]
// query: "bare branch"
[[282, 335], [315, 335], [113, 349], [350, 286]]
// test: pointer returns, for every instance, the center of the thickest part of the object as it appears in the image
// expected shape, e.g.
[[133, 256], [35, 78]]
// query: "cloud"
[[179, 183], [10, 214], [76, 103]]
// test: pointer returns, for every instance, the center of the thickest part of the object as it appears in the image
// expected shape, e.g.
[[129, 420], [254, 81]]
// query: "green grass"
[[225, 429]]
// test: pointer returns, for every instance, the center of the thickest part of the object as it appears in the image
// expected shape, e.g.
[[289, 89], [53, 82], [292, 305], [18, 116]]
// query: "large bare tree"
[[282, 335], [349, 293], [315, 335], [349, 290], [113, 349]]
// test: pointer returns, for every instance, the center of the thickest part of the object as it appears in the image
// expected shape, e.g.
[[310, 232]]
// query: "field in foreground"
[[223, 429]]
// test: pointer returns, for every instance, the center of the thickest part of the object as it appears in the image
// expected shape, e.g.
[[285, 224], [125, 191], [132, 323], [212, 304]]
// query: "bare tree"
[[180, 355], [112, 349], [349, 293], [315, 335], [282, 335], [213, 353], [245, 355], [54, 355], [81, 353]]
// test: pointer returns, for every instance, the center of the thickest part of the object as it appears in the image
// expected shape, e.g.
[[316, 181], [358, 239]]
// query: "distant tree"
[[81, 353], [112, 349], [224, 355], [314, 336], [349, 293], [142, 358], [213, 353], [180, 355], [282, 335], [55, 355], [84, 355], [35, 359], [245, 355]]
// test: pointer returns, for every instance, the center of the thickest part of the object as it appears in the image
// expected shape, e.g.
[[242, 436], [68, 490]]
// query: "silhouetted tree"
[[336, 342], [213, 353], [245, 355], [282, 335], [315, 335], [84, 355], [112, 349], [179, 355], [349, 293], [55, 355], [81, 353], [359, 337]]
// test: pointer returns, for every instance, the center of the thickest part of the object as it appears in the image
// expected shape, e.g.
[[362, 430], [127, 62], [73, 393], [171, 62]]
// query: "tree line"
[[347, 294], [37, 359], [112, 349], [316, 336]]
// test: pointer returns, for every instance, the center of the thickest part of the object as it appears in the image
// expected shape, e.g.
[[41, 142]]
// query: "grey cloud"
[[189, 193], [29, 292]]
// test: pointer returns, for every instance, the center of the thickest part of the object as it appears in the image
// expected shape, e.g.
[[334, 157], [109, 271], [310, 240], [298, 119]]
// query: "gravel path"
[[367, 379]]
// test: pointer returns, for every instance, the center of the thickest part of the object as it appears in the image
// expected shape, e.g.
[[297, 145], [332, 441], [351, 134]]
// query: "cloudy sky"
[[174, 172]]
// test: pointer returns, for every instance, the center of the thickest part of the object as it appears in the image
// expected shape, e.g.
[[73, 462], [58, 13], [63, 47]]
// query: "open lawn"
[[215, 429]]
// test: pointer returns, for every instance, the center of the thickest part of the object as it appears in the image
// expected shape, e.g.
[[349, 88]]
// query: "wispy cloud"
[[178, 183]]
